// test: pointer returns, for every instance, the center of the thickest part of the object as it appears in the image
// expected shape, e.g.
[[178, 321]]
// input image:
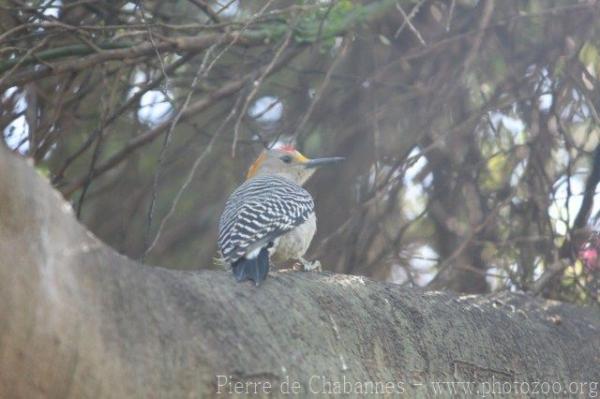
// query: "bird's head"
[[287, 161]]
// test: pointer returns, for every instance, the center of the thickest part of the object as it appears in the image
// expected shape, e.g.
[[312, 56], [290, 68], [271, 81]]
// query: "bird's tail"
[[255, 269]]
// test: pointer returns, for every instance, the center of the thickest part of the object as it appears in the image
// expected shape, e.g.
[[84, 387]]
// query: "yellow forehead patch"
[[300, 158]]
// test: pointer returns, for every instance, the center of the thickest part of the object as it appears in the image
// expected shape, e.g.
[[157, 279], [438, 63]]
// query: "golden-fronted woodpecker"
[[270, 215]]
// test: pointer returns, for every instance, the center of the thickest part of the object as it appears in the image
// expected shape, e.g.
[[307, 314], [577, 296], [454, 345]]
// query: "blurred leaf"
[[498, 169], [589, 55], [43, 170]]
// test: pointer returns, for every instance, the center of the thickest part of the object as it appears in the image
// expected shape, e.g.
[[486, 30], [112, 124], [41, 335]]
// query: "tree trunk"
[[78, 320]]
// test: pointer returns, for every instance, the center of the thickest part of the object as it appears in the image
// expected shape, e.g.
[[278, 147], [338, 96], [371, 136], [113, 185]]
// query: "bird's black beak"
[[315, 163]]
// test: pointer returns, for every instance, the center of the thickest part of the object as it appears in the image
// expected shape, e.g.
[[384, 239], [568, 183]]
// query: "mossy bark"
[[78, 320]]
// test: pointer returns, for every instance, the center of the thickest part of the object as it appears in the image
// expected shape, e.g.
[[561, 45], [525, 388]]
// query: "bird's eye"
[[286, 158]]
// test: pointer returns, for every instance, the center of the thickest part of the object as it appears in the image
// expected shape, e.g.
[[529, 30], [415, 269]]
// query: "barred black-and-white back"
[[260, 210]]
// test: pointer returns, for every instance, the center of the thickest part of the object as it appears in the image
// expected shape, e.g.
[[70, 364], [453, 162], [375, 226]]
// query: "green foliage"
[[43, 170], [590, 57], [334, 20], [325, 23], [497, 172]]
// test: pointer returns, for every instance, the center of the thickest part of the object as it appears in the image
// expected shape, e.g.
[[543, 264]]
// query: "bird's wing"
[[259, 211]]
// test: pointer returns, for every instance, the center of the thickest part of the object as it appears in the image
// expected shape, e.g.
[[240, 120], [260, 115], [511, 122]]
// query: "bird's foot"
[[310, 266]]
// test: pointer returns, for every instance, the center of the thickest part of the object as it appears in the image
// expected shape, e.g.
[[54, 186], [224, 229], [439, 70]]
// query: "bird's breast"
[[295, 243]]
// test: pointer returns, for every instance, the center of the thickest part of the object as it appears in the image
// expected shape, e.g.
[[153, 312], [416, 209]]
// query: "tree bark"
[[78, 320]]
